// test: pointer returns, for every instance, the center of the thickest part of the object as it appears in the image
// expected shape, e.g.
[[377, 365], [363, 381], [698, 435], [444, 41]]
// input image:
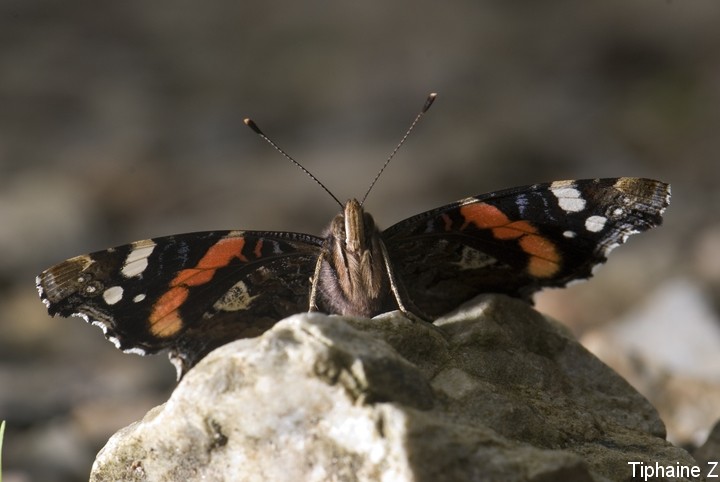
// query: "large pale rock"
[[494, 392]]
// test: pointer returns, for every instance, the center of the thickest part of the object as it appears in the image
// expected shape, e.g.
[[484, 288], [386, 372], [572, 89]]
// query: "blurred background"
[[123, 120]]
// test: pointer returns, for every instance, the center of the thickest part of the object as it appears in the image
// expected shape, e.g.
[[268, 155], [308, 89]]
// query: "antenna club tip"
[[251, 124], [429, 101]]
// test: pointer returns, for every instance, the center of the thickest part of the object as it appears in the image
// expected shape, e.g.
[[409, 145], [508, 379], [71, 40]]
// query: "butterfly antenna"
[[428, 102], [252, 125]]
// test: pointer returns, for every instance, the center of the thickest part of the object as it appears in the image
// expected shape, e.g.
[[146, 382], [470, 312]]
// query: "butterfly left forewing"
[[519, 240], [187, 293]]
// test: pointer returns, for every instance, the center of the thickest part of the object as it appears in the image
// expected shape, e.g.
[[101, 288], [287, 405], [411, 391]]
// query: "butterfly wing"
[[519, 240], [188, 293]]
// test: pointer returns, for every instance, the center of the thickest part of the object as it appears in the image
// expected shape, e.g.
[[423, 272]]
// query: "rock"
[[667, 348], [494, 392], [708, 455]]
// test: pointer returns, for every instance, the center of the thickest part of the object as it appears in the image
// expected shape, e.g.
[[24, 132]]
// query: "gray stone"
[[494, 391], [708, 454]]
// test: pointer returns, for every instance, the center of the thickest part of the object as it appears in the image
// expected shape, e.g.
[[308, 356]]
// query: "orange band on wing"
[[218, 256], [514, 230], [544, 261], [482, 215], [165, 320], [544, 257], [258, 248]]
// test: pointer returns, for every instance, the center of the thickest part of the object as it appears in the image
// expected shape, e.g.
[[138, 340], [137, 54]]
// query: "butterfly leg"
[[412, 314], [312, 305]]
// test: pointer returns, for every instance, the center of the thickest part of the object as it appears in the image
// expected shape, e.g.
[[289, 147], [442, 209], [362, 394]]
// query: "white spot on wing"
[[136, 351], [101, 324], [178, 363], [569, 234], [474, 259], [114, 341], [139, 298], [609, 248], [136, 261], [112, 295], [595, 224], [87, 319], [38, 282], [237, 298], [569, 198]]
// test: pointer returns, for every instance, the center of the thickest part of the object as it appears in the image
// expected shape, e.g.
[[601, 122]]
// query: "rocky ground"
[[121, 121], [496, 393]]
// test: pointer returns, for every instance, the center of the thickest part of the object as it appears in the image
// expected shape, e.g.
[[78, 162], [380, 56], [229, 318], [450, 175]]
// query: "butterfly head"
[[353, 227]]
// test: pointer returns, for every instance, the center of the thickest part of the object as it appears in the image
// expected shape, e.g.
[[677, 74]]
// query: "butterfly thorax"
[[353, 279]]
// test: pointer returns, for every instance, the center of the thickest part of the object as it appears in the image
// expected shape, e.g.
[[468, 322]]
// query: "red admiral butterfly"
[[191, 293]]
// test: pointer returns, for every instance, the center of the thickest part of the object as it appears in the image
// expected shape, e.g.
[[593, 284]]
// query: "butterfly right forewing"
[[519, 240]]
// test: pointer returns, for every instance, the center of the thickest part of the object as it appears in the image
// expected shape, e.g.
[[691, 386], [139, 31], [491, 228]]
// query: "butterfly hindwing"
[[519, 240], [188, 293]]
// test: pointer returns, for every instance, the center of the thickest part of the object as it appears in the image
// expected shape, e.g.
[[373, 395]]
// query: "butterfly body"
[[353, 279]]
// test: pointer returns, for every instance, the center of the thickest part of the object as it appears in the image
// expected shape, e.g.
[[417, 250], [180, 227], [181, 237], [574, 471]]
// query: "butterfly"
[[191, 293]]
